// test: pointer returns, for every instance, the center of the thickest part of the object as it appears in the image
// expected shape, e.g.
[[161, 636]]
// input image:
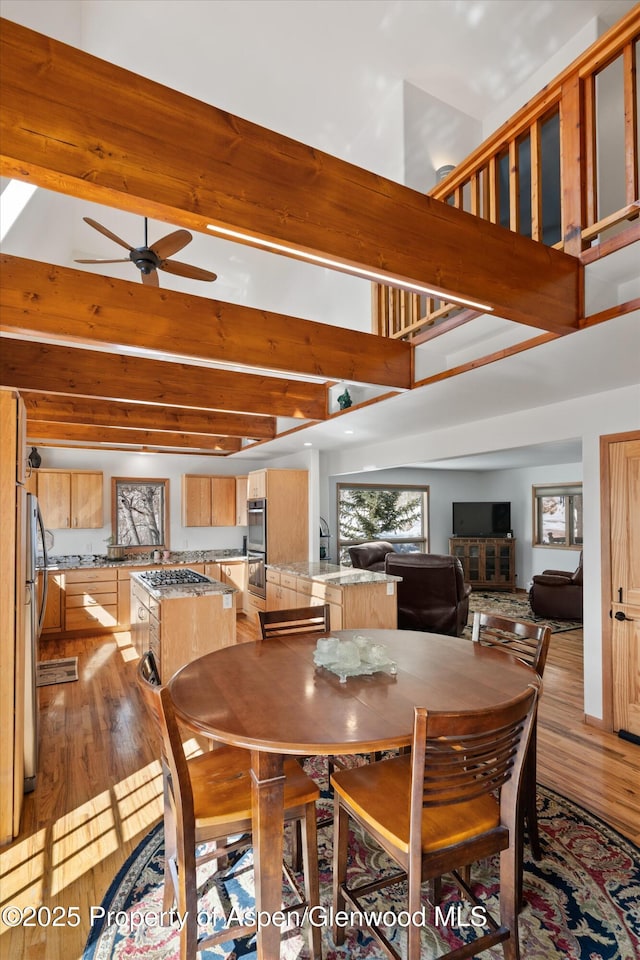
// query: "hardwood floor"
[[98, 789]]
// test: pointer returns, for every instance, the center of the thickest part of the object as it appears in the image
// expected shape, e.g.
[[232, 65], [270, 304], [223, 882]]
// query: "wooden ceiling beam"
[[28, 365], [49, 408], [74, 123], [78, 306], [38, 431]]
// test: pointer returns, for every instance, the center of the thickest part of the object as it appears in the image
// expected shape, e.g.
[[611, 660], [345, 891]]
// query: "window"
[[557, 515], [369, 511], [140, 513]]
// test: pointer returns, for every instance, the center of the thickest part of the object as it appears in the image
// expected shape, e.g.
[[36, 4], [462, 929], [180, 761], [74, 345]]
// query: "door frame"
[[605, 580]]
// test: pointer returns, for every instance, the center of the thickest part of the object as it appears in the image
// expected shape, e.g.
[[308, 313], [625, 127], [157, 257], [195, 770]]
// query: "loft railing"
[[564, 171]]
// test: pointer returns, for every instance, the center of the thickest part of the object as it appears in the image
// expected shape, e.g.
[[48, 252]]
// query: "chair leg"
[[508, 900], [309, 835], [340, 850], [187, 897], [530, 805]]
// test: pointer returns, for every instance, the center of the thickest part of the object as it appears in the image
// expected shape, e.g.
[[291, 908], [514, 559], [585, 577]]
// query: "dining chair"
[[436, 809], [280, 623], [207, 800], [528, 642]]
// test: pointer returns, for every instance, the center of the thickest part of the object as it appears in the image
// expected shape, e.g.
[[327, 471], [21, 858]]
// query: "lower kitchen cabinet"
[[180, 629], [91, 599], [54, 611]]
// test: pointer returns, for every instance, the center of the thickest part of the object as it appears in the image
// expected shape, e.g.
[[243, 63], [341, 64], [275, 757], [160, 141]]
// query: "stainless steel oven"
[[257, 580], [257, 523]]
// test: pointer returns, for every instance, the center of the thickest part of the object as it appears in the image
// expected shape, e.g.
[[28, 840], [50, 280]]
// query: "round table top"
[[269, 695]]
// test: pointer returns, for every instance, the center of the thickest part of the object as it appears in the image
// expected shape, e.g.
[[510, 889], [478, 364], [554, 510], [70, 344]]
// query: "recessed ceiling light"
[[307, 443], [348, 431]]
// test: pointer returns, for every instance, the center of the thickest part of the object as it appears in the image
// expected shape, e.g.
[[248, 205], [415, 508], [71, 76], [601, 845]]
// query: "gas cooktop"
[[172, 578]]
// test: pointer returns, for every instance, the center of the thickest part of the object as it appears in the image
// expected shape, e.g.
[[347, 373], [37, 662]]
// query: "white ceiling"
[[330, 73]]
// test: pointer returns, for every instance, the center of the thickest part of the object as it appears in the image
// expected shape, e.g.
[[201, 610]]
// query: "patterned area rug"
[[516, 606], [582, 898], [57, 671]]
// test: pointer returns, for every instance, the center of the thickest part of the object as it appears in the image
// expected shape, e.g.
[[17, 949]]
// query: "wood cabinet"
[[71, 498], [53, 621], [257, 484], [180, 629], [488, 562], [235, 574], [351, 605], [242, 496], [91, 599], [287, 495], [208, 501]]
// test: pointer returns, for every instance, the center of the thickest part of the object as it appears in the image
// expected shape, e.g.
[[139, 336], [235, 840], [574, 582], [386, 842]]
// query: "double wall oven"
[[257, 546]]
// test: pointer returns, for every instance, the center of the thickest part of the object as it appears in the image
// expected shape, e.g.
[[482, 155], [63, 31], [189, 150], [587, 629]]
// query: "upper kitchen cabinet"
[[71, 498], [241, 501], [208, 501], [257, 485]]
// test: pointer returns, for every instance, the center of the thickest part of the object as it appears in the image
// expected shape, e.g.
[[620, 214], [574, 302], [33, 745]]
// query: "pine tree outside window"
[[397, 513]]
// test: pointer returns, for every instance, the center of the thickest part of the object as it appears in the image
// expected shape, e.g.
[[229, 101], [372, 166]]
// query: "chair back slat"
[[280, 623], [459, 756], [527, 641]]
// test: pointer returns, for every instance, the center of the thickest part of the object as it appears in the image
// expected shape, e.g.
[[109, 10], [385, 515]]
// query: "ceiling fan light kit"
[[149, 260]]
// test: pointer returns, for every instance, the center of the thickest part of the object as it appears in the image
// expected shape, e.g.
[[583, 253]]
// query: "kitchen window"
[[557, 515], [370, 511]]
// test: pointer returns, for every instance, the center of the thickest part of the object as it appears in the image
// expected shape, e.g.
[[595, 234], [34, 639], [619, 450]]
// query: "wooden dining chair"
[[528, 642], [207, 800], [437, 809], [281, 623]]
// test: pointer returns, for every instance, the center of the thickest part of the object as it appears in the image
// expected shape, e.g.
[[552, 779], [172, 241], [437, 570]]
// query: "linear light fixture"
[[356, 271]]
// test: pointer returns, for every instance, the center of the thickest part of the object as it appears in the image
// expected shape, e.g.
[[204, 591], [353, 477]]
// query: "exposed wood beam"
[[38, 430], [27, 365], [75, 305], [49, 408], [73, 123]]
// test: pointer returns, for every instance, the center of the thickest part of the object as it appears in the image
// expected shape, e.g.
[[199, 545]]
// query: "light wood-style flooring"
[[98, 789]]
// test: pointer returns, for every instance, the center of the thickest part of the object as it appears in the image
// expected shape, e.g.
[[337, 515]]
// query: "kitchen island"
[[356, 598], [179, 620]]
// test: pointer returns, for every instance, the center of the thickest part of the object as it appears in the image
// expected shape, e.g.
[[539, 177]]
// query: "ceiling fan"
[[149, 260]]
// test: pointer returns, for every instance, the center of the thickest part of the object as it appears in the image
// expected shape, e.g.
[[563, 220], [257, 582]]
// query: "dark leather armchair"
[[557, 594], [370, 556], [432, 595]]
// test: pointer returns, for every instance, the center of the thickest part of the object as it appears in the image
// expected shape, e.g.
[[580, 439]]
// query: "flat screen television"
[[481, 519]]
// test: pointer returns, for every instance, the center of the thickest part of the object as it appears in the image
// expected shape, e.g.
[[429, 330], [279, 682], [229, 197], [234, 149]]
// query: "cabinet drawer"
[[93, 599], [255, 603], [95, 589], [273, 576], [91, 576], [327, 593], [289, 581], [304, 587], [95, 617]]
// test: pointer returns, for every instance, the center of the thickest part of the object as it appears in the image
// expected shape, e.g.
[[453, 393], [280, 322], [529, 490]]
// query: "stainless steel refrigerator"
[[33, 627]]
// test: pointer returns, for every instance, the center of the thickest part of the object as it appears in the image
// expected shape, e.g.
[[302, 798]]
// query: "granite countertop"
[[332, 573], [181, 590], [176, 558]]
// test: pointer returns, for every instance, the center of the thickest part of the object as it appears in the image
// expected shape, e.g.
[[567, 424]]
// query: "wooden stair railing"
[[541, 173]]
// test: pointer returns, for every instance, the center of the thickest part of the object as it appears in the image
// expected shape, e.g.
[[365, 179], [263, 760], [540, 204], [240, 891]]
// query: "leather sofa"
[[557, 594], [433, 595], [370, 556]]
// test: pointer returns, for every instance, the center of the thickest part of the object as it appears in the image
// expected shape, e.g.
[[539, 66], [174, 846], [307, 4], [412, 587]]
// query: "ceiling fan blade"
[[170, 244], [186, 270], [107, 233], [123, 260], [151, 279]]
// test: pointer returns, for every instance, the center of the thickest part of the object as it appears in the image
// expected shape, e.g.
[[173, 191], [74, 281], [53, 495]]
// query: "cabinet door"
[[242, 488], [196, 501], [257, 484], [54, 494], [223, 501], [86, 500], [235, 574], [53, 611]]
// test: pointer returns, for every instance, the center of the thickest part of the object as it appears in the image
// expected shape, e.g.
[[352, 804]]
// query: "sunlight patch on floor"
[[22, 868]]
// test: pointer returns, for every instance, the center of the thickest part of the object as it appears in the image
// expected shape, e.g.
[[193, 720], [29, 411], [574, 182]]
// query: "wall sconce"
[[444, 171], [34, 459]]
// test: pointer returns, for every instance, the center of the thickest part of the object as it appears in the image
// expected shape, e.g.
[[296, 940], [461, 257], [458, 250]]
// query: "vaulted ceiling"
[[116, 363]]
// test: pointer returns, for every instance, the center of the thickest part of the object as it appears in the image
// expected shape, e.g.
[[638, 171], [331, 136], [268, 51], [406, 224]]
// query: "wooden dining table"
[[271, 698]]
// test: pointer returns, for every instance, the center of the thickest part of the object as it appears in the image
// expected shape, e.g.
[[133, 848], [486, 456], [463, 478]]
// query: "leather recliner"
[[370, 556], [557, 594], [432, 595]]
